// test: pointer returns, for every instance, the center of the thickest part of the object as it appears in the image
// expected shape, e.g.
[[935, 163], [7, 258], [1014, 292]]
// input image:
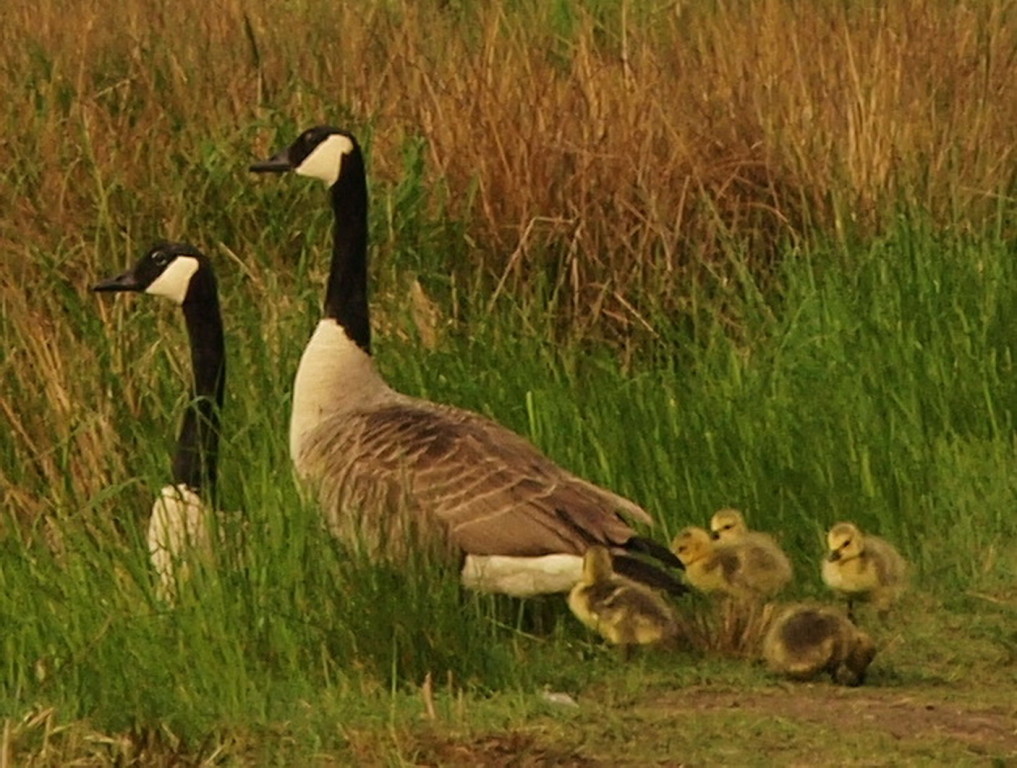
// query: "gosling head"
[[177, 271], [692, 544], [844, 542], [728, 525], [320, 152]]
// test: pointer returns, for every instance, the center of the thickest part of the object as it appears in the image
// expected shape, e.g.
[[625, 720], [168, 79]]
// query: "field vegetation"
[[755, 253]]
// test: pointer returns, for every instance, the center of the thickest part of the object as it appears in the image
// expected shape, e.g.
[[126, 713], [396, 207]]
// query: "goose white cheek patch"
[[173, 281], [323, 162]]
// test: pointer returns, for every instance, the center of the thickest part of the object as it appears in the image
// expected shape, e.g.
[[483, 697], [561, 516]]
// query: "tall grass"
[[618, 149], [750, 254]]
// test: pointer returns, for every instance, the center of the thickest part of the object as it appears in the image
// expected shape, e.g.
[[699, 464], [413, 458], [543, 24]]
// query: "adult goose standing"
[[385, 464], [179, 525]]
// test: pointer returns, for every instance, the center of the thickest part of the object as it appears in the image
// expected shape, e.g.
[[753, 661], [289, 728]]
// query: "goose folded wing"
[[492, 490]]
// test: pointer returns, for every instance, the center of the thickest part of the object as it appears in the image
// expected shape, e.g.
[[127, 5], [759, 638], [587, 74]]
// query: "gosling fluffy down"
[[727, 526], [624, 612], [807, 640], [745, 570], [860, 566]]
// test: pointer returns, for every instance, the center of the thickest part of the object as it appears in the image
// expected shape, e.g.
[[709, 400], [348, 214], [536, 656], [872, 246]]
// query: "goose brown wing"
[[493, 491]]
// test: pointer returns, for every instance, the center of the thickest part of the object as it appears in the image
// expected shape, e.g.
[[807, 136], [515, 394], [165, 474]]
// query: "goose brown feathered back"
[[392, 471]]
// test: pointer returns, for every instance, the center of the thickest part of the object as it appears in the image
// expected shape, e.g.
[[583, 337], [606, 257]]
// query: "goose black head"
[[166, 269], [318, 152]]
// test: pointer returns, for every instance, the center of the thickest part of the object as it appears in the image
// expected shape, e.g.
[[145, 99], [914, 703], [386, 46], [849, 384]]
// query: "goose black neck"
[[195, 461], [346, 293]]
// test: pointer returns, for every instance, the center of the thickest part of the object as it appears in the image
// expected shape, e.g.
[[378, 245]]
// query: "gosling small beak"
[[834, 556], [125, 282], [277, 163], [715, 535]]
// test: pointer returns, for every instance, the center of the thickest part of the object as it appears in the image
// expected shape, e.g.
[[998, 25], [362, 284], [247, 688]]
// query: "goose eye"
[[161, 258]]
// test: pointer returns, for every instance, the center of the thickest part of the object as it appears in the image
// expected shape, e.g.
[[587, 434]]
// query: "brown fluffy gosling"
[[624, 612], [807, 640], [863, 567], [743, 570]]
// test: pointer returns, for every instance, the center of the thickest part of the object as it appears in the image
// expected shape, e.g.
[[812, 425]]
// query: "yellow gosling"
[[863, 567], [728, 526], [744, 570], [624, 612], [774, 568], [808, 640]]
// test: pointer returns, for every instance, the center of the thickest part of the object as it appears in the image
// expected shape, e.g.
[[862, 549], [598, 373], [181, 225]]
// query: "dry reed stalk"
[[681, 147], [728, 627]]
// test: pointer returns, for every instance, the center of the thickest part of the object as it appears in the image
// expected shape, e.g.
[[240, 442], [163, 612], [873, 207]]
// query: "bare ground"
[[792, 725]]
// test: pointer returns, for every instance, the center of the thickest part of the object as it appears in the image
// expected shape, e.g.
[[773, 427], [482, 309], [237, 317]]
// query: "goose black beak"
[[278, 163], [125, 282]]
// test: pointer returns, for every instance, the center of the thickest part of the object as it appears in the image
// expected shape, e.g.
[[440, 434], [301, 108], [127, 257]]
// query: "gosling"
[[863, 567], [624, 612], [727, 526], [807, 640], [745, 570]]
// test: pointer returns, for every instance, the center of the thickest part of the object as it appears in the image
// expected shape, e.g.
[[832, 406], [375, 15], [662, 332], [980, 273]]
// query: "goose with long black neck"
[[179, 524], [392, 472]]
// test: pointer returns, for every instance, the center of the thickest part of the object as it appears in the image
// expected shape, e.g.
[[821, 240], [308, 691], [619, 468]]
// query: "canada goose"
[[742, 570], [624, 612], [728, 526], [862, 566], [179, 521], [382, 462], [807, 640]]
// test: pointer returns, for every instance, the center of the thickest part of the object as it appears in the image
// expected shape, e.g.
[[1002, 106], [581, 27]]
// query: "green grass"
[[875, 386], [865, 378]]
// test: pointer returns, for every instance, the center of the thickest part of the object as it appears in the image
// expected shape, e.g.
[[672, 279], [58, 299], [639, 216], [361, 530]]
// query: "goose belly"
[[522, 576], [177, 529]]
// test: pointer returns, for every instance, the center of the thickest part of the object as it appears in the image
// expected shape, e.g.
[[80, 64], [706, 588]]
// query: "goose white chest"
[[334, 375]]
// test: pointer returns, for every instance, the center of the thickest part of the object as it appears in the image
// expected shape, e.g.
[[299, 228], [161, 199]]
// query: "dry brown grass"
[[640, 145], [728, 628], [625, 156], [39, 739]]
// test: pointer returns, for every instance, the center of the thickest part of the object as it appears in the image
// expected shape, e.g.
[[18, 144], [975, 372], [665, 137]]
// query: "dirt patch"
[[511, 749], [984, 729]]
